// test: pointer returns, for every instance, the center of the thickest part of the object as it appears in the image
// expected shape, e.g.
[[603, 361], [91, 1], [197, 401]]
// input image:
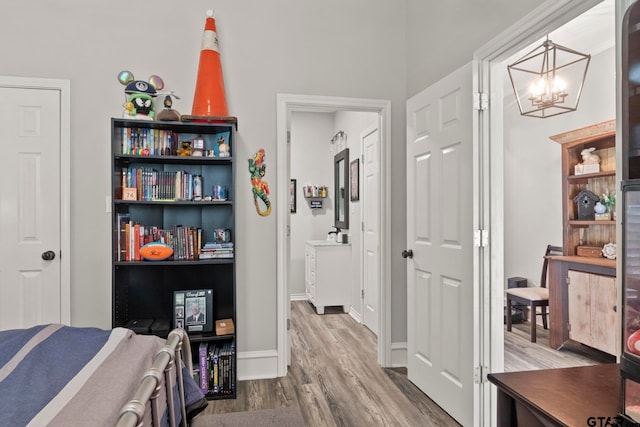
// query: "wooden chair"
[[536, 296]]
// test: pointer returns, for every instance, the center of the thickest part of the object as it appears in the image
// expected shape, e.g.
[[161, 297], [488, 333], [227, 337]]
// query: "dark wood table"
[[559, 397]]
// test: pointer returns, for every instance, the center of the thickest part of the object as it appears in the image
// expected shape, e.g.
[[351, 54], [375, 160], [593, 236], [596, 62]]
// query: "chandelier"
[[548, 80]]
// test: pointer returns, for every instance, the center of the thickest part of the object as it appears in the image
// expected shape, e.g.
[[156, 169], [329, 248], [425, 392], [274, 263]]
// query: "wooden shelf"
[[588, 223], [600, 262], [587, 176], [602, 137]]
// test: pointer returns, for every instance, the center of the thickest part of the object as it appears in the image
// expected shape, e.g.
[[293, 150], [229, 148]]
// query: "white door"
[[371, 227], [440, 311], [30, 231]]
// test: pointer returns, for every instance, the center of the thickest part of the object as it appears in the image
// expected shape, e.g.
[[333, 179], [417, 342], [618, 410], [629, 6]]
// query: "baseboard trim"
[[399, 355], [257, 365], [298, 297], [355, 315]]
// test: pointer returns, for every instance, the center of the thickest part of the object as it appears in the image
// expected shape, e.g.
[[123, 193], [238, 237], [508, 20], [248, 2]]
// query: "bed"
[[57, 375]]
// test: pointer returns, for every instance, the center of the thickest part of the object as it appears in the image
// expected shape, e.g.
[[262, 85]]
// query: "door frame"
[[64, 88], [490, 74], [287, 103]]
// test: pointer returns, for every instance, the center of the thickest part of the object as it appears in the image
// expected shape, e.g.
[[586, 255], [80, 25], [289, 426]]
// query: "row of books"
[[185, 241], [212, 250], [153, 185], [216, 370], [149, 142]]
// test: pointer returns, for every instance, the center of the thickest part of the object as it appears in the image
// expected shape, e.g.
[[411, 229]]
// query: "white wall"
[[533, 169], [311, 163], [443, 35], [358, 48], [282, 46]]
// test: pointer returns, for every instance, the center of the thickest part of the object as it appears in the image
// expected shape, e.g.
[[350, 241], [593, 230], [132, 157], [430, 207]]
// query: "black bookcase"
[[143, 290]]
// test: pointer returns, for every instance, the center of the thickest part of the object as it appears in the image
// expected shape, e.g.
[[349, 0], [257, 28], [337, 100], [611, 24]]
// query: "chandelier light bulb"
[[559, 85], [539, 87]]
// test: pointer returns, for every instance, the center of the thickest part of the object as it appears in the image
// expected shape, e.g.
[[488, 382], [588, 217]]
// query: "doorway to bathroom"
[[311, 131]]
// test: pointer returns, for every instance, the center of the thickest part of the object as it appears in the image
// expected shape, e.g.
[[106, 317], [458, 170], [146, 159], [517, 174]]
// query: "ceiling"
[[590, 33]]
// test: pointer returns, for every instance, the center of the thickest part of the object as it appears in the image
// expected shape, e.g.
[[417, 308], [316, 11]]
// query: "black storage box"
[[160, 327], [139, 326]]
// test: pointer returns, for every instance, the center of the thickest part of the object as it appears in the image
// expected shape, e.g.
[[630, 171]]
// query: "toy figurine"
[[260, 189], [185, 149], [140, 95], [168, 114]]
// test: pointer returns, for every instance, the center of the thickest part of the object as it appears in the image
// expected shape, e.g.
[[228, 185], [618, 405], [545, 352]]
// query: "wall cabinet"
[[188, 203], [327, 274]]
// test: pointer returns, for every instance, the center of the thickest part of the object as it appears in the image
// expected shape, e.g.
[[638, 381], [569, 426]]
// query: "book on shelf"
[[204, 366], [132, 236], [122, 220], [212, 250], [154, 185], [215, 256], [148, 142], [220, 368], [214, 352], [212, 245]]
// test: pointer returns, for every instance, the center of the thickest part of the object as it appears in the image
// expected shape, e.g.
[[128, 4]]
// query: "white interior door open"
[[371, 228], [440, 285]]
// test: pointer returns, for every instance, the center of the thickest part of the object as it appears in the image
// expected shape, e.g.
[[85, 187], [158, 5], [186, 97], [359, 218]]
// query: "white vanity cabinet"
[[327, 274]]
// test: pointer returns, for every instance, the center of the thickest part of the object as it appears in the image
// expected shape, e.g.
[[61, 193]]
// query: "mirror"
[[341, 188]]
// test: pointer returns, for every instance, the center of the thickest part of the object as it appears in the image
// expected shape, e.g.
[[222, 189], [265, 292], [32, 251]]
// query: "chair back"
[[551, 250]]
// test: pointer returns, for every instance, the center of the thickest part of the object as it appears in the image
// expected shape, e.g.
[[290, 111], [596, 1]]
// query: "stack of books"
[[217, 373], [212, 250]]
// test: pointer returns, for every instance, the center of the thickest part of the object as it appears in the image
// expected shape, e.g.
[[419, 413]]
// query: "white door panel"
[[439, 232], [371, 235], [30, 135]]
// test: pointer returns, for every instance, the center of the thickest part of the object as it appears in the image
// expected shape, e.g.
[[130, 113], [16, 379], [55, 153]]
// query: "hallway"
[[335, 379]]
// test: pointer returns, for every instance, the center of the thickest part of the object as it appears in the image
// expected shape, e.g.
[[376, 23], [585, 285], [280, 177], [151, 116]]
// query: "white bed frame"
[[163, 374]]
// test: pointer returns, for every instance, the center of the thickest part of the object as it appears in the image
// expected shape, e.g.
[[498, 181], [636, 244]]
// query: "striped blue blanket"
[[55, 375]]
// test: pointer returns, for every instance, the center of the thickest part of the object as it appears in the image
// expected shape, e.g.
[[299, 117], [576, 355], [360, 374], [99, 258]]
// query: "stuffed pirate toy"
[[139, 95]]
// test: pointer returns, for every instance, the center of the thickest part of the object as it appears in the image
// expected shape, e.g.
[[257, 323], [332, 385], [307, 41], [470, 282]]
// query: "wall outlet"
[[108, 204]]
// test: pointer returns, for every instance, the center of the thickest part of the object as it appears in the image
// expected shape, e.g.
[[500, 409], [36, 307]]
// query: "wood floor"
[[520, 354], [335, 379]]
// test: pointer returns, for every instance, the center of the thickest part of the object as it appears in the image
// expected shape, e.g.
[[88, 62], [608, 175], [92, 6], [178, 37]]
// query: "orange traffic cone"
[[209, 98]]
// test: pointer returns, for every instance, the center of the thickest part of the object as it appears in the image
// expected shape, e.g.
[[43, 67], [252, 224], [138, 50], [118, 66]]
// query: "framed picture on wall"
[[292, 196], [355, 180]]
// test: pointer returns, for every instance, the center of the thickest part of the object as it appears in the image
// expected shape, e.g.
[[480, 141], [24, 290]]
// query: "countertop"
[[324, 243]]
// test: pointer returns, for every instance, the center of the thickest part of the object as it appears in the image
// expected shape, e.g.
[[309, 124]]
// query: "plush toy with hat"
[[139, 95]]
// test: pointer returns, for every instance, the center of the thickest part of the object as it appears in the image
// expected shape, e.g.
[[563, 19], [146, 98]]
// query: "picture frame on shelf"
[[355, 180], [292, 196], [193, 310]]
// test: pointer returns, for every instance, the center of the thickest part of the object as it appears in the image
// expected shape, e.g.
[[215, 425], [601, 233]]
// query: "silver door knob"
[[48, 255]]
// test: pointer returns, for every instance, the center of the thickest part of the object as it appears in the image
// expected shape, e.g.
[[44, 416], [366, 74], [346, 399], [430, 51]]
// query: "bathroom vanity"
[[327, 274]]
